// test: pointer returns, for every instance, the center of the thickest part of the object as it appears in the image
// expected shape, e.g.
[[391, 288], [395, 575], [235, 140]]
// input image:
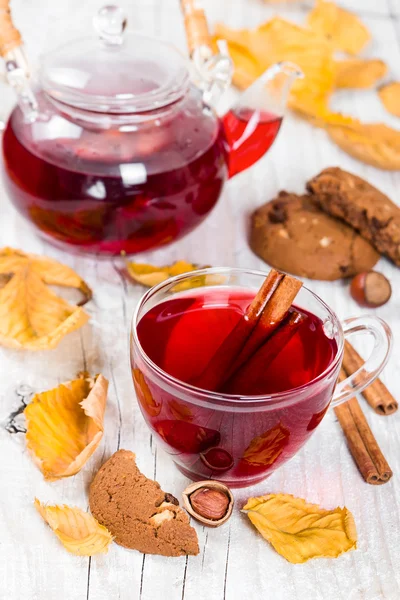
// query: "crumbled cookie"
[[292, 234], [362, 206], [137, 512]]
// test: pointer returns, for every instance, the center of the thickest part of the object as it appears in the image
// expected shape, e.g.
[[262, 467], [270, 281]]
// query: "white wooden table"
[[235, 563]]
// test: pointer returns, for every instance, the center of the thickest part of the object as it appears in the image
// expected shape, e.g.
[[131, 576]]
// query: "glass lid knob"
[[110, 23]]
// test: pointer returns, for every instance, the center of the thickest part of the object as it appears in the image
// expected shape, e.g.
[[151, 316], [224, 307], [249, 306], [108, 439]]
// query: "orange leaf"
[[78, 531], [65, 425], [264, 449], [341, 27], [390, 97], [32, 316]]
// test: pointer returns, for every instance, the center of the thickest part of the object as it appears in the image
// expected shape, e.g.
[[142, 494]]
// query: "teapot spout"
[[253, 123]]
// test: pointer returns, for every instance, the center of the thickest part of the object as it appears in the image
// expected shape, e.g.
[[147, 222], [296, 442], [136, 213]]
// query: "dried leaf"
[[32, 316], [299, 531], [149, 275], [255, 50], [264, 449], [180, 411], [144, 394], [375, 144], [78, 531], [359, 72], [65, 425], [390, 97], [341, 27]]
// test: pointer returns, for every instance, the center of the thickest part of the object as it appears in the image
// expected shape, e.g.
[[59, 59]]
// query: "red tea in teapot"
[[113, 191], [116, 147], [109, 191]]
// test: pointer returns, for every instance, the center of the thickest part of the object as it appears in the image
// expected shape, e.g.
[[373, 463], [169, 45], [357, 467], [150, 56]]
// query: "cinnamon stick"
[[273, 314], [268, 309], [251, 375], [361, 441], [217, 369], [377, 395]]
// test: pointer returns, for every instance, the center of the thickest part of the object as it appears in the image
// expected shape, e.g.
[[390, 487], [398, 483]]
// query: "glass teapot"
[[117, 147]]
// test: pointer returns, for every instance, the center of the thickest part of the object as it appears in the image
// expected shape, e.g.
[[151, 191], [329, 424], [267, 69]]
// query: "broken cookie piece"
[[361, 205], [293, 235], [137, 512]]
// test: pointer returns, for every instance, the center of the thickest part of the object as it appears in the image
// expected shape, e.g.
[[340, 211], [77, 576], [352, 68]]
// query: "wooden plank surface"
[[235, 563]]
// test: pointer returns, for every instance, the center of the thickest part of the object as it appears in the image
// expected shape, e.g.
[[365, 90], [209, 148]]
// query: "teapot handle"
[[196, 27], [212, 71], [17, 70]]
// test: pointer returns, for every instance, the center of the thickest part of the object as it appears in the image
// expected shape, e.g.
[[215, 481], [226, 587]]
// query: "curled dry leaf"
[[65, 425], [359, 73], [264, 449], [341, 27], [32, 316], [149, 275], [390, 97], [78, 531], [375, 143], [299, 531], [144, 394]]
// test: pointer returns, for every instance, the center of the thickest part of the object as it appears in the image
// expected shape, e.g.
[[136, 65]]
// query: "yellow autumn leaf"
[[65, 425], [300, 531], [77, 530], [150, 275], [341, 27], [253, 51], [265, 449], [358, 72], [390, 97], [144, 394], [373, 143], [32, 316]]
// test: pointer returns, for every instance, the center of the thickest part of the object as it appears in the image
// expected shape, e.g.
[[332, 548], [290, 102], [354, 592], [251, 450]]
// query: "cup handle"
[[373, 366]]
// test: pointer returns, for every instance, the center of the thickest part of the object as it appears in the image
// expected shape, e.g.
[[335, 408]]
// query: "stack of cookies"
[[337, 230]]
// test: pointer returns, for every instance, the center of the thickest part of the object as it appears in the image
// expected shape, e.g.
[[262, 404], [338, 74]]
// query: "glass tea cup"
[[241, 439]]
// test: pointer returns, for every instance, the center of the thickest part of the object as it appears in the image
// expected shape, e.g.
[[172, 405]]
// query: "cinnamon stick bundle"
[[377, 395], [264, 315], [361, 441], [254, 369]]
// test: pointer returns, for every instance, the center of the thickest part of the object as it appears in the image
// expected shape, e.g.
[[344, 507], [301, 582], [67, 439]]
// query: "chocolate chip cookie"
[[137, 512], [362, 206], [292, 234]]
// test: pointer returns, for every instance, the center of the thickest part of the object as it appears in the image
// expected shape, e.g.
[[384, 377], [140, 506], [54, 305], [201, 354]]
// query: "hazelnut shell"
[[209, 483]]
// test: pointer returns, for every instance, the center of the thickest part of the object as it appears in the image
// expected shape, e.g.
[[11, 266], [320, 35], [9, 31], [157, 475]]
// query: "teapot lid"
[[118, 73]]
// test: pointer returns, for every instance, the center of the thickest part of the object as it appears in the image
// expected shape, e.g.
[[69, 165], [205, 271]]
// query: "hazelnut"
[[370, 289], [210, 502]]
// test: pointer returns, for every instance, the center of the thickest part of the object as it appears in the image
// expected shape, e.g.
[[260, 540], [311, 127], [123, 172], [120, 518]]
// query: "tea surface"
[[182, 334]]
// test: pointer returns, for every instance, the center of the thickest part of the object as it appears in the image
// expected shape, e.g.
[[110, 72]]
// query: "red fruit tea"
[[180, 336], [127, 189], [249, 133], [108, 192]]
